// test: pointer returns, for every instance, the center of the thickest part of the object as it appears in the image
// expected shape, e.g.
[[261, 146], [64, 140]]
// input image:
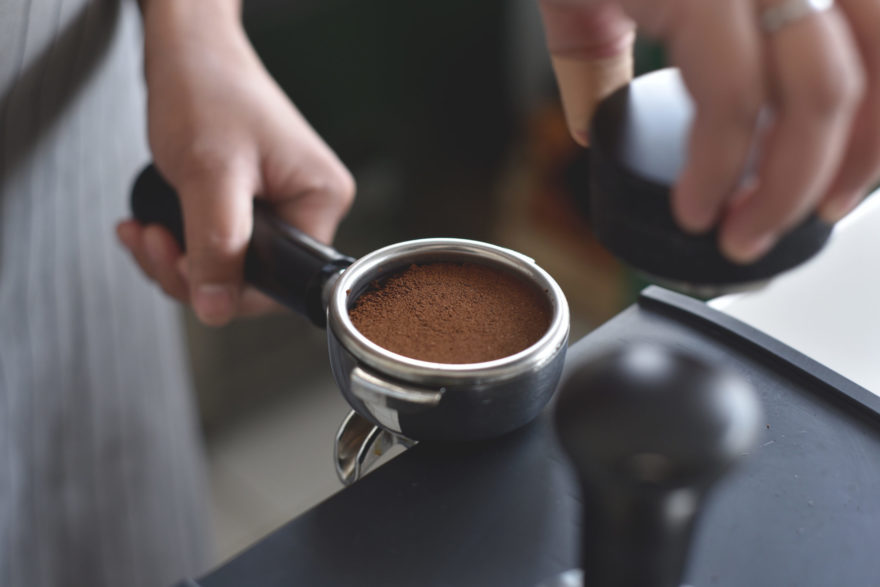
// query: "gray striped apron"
[[101, 471]]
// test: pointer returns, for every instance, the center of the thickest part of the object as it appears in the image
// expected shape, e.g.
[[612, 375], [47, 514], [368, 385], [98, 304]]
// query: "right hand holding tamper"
[[815, 66]]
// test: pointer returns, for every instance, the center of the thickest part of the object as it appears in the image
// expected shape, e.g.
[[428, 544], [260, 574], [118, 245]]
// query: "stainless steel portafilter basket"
[[422, 400], [396, 399]]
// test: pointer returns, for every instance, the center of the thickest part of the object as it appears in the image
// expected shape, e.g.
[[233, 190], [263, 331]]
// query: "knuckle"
[[201, 160], [211, 161], [337, 186], [582, 30], [216, 249], [738, 100], [220, 242], [216, 252], [837, 91], [344, 188], [742, 108]]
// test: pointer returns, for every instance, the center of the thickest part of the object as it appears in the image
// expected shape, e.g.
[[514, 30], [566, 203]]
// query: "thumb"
[[591, 50], [218, 218]]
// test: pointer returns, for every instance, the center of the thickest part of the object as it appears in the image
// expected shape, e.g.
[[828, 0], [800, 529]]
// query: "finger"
[[217, 203], [718, 52], [255, 303], [130, 233], [861, 163], [164, 253], [816, 87], [252, 302], [312, 193], [591, 50]]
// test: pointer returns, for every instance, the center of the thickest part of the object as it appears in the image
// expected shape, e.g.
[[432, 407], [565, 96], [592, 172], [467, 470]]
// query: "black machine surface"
[[802, 509]]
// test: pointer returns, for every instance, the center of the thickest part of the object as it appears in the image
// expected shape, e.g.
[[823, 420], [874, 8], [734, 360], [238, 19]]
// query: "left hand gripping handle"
[[281, 261]]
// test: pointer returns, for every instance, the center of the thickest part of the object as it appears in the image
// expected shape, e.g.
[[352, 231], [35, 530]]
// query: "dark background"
[[448, 116]]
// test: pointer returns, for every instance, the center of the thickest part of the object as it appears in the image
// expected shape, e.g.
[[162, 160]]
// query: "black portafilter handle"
[[649, 430], [281, 261]]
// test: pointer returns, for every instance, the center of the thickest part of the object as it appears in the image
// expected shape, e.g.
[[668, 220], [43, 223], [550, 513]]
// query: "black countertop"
[[803, 510]]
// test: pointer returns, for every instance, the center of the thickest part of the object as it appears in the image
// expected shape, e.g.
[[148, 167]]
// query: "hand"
[[221, 131], [819, 75]]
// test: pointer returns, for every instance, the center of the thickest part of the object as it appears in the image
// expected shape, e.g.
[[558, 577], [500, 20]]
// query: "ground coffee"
[[452, 313]]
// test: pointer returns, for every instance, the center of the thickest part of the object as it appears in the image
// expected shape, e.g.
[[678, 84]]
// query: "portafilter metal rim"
[[358, 276]]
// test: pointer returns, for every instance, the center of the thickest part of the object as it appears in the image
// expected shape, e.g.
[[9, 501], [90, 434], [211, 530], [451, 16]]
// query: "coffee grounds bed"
[[452, 313]]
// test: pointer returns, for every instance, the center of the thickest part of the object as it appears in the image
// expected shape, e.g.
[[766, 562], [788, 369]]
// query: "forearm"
[[186, 10], [172, 26], [221, 130]]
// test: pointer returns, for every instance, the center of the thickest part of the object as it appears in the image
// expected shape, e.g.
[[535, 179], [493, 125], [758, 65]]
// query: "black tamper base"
[[638, 144]]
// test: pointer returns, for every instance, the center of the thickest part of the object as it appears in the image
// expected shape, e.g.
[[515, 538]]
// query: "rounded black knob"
[[649, 430], [638, 143]]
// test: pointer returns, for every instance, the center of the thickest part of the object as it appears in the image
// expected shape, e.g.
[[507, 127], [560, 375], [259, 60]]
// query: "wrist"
[[177, 12], [174, 26], [192, 31]]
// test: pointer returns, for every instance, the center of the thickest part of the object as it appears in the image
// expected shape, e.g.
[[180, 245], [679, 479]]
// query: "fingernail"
[[745, 251], [581, 137], [838, 207], [214, 303]]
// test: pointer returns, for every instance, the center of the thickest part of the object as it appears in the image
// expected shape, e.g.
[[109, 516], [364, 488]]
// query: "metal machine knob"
[[649, 430]]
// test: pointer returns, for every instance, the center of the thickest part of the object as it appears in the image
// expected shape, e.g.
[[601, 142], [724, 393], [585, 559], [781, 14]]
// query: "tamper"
[[649, 430], [638, 146]]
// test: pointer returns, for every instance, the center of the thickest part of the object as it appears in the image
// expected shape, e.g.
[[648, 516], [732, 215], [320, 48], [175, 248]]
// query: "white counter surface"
[[828, 308]]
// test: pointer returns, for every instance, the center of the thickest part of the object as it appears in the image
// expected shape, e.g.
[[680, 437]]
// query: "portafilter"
[[402, 399]]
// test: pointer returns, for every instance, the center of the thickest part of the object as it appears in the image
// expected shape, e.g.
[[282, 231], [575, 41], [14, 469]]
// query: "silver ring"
[[788, 11]]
